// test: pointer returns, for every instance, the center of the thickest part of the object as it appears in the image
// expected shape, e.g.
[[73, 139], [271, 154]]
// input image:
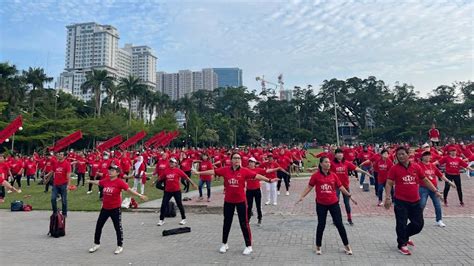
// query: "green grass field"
[[79, 200]]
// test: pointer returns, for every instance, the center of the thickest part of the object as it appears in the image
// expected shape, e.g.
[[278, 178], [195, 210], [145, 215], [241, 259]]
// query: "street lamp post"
[[56, 96], [335, 116]]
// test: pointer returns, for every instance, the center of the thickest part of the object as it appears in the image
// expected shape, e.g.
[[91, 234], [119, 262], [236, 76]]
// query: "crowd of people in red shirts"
[[385, 166]]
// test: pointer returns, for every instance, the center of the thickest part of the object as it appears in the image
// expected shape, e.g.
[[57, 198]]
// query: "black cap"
[[114, 167]]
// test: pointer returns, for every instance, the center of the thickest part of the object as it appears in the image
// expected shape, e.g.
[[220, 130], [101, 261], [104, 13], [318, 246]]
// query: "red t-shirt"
[[284, 161], [186, 164], [453, 165], [406, 181], [126, 164], [30, 168], [341, 170], [431, 172], [204, 166], [382, 167], [112, 192], [16, 166], [172, 177], [434, 134], [234, 182], [271, 165], [3, 171], [255, 183], [349, 154], [95, 165], [161, 165], [325, 187], [61, 171], [81, 165]]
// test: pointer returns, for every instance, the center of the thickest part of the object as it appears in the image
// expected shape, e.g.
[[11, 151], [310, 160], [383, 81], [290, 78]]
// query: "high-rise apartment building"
[[185, 83], [197, 81], [209, 79], [170, 85]]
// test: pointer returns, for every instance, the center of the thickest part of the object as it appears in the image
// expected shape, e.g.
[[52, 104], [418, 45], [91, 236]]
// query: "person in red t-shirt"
[[61, 181], [453, 165], [326, 183], [4, 173], [406, 176], [433, 173], [186, 163], [94, 170], [30, 169], [235, 178], [434, 135], [204, 165], [17, 169], [111, 203], [81, 167], [172, 176], [382, 167], [253, 189], [341, 168]]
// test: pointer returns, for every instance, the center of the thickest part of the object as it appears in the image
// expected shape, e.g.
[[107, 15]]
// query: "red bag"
[[72, 187], [27, 208], [133, 204]]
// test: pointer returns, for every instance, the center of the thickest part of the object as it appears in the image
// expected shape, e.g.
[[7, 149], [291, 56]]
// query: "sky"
[[422, 43]]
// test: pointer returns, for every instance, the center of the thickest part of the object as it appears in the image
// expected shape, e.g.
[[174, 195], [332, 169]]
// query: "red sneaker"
[[410, 243], [404, 250]]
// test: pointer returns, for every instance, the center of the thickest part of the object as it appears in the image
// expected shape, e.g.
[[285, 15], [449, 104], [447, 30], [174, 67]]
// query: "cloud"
[[308, 41]]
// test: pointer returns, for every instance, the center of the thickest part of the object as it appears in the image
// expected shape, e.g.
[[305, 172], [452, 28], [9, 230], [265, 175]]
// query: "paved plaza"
[[286, 237]]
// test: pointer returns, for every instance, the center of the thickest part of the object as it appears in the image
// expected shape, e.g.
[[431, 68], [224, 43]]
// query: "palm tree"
[[112, 97], [12, 87], [35, 77], [142, 95], [129, 88], [164, 101], [151, 103], [97, 80]]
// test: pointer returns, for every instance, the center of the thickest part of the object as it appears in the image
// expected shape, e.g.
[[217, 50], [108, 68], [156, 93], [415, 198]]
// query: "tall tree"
[[97, 81], [129, 88], [35, 78]]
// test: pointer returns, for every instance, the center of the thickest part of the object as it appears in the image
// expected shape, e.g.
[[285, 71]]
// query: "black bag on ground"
[[365, 187], [57, 225], [175, 231], [171, 209], [16, 206], [160, 184]]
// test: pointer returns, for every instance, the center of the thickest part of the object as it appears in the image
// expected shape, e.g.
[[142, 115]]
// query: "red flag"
[[66, 141], [173, 136], [164, 139], [140, 135], [11, 128], [153, 139], [158, 141], [109, 143]]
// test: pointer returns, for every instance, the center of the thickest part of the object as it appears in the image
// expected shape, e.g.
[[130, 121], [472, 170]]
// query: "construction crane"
[[264, 82]]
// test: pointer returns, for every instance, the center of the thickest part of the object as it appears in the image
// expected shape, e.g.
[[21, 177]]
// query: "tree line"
[[229, 116]]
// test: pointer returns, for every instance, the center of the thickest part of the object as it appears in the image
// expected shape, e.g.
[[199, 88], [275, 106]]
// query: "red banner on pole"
[[140, 135], [11, 128], [109, 143], [154, 139], [66, 141], [173, 136]]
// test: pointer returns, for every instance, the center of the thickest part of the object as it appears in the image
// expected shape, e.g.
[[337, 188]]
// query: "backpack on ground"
[[365, 187], [175, 231], [16, 206], [57, 225], [170, 210]]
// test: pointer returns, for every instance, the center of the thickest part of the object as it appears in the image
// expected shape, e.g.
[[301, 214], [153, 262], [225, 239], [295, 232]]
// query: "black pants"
[[2, 192], [166, 200], [28, 177], [92, 178], [186, 182], [286, 178], [457, 182], [116, 216], [322, 212], [16, 178], [376, 183], [405, 211], [251, 195], [229, 209], [81, 176]]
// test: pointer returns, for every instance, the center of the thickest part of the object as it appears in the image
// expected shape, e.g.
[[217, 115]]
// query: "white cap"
[[252, 159], [173, 160], [426, 145]]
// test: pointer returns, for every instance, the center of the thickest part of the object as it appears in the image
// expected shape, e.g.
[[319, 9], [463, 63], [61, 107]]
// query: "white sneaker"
[[278, 193], [247, 250], [94, 248], [287, 193], [183, 222], [440, 223], [118, 250], [224, 248], [89, 192], [267, 203], [274, 204], [160, 223], [361, 186]]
